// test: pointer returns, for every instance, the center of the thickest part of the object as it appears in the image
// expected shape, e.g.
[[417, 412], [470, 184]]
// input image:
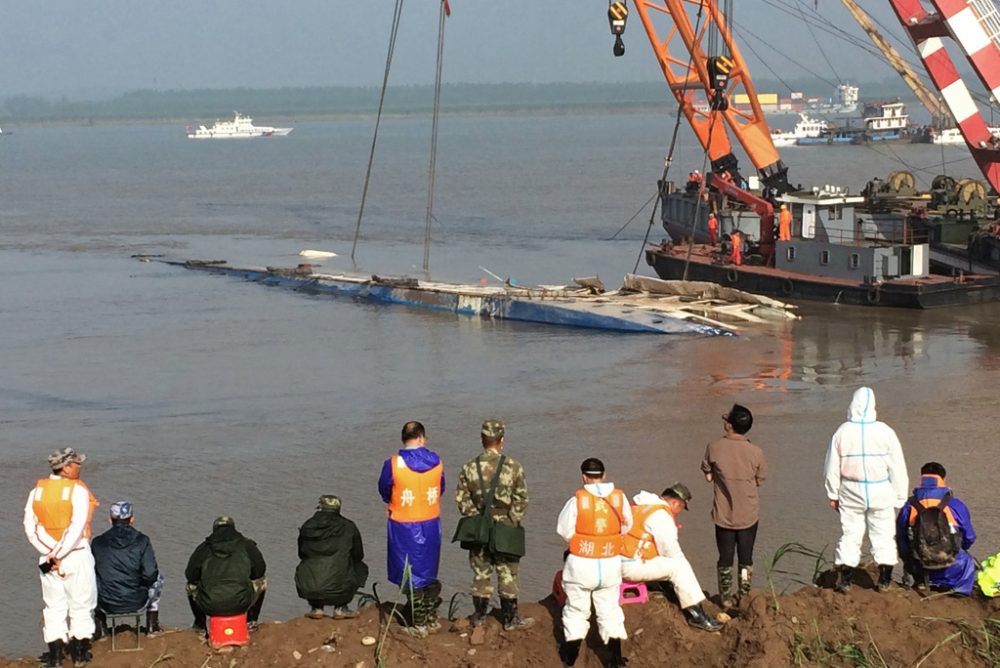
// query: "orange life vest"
[[416, 497], [52, 502], [639, 543], [598, 525]]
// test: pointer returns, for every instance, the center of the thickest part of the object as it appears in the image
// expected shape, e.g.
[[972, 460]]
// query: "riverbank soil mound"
[[811, 627]]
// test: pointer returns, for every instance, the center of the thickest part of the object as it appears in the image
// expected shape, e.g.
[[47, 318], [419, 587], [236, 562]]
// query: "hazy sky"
[[102, 47]]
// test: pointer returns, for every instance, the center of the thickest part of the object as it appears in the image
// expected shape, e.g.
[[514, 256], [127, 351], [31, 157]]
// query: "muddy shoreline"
[[812, 626]]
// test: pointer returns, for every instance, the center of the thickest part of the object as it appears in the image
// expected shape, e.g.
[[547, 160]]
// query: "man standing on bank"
[[866, 481], [332, 566], [593, 523], [57, 524], [510, 500], [411, 483], [736, 468]]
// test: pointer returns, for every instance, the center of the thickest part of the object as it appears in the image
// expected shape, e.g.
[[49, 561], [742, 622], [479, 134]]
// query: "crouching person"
[[934, 533], [332, 566], [225, 576], [592, 522], [128, 579], [652, 552]]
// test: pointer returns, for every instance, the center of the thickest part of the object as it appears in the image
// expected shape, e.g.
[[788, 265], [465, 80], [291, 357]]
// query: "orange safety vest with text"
[[416, 497], [598, 525], [52, 503], [639, 543]]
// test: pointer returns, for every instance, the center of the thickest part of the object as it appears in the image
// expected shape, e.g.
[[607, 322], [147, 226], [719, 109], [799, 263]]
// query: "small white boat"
[[807, 127], [316, 254], [953, 136], [241, 127]]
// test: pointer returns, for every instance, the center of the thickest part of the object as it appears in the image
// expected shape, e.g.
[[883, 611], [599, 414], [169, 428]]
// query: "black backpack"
[[933, 542]]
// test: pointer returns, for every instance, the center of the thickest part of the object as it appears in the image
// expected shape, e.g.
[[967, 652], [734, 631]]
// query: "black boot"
[[152, 622], [511, 620], [884, 577], [700, 620], [100, 625], [568, 651], [615, 647], [845, 580], [482, 609], [79, 650], [54, 659]]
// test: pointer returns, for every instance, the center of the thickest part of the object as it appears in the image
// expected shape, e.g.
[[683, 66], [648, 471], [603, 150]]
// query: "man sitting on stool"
[[653, 553], [225, 576], [128, 579]]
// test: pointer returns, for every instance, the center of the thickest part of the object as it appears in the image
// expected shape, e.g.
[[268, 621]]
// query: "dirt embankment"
[[811, 627]]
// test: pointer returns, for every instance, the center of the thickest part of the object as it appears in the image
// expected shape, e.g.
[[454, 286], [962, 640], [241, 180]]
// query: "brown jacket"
[[738, 468]]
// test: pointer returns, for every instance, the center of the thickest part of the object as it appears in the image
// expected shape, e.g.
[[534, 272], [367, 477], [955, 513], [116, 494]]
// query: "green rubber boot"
[[726, 600]]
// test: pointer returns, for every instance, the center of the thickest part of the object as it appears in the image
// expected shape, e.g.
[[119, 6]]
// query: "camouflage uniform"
[[509, 504]]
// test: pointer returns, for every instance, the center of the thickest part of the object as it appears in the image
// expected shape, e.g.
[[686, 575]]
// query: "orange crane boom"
[[702, 84]]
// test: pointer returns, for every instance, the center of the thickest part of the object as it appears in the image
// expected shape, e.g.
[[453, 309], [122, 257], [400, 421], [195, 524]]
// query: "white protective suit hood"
[[862, 408], [645, 498], [601, 489]]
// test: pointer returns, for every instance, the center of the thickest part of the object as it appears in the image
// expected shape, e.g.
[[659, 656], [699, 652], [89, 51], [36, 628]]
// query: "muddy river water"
[[196, 396]]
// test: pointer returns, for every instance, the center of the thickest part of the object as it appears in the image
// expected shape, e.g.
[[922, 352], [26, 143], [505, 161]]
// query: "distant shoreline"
[[576, 110], [346, 103]]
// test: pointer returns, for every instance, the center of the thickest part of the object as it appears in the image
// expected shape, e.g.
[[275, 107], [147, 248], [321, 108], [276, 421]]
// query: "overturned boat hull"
[[566, 307]]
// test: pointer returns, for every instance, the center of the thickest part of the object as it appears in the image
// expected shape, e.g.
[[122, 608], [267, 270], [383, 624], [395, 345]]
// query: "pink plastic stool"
[[231, 630], [632, 592]]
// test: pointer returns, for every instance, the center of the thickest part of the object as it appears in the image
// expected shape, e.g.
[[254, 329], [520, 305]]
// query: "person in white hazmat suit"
[[57, 524], [653, 553], [866, 481], [593, 523]]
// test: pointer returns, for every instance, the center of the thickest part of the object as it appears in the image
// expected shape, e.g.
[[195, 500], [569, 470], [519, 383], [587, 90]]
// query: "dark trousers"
[[735, 541]]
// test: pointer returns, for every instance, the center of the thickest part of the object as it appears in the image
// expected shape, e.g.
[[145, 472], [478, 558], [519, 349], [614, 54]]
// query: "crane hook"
[[617, 15]]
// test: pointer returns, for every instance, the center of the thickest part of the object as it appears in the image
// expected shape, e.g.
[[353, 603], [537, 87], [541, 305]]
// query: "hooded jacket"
[[126, 568], [222, 568], [961, 575], [864, 466], [416, 543], [332, 566]]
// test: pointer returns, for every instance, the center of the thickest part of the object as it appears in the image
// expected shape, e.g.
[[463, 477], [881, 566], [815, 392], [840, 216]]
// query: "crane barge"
[[834, 253]]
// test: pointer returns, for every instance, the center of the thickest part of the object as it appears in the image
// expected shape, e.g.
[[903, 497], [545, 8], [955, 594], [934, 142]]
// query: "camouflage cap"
[[223, 521], [678, 491], [329, 502], [64, 456], [121, 510], [493, 429]]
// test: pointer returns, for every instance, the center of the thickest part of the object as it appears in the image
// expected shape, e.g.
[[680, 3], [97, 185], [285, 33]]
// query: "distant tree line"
[[202, 105]]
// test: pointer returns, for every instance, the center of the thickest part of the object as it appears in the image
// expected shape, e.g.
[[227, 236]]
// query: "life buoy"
[[787, 286], [732, 276], [874, 295]]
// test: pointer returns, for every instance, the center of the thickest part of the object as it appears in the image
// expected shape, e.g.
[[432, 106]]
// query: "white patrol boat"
[[241, 127]]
